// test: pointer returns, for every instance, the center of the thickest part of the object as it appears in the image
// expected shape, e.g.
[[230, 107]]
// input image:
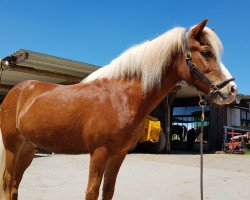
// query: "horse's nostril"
[[233, 89]]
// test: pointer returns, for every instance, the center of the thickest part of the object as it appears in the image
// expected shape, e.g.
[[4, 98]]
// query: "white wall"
[[233, 117]]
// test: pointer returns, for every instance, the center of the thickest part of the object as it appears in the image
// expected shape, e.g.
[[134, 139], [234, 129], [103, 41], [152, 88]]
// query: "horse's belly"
[[53, 136]]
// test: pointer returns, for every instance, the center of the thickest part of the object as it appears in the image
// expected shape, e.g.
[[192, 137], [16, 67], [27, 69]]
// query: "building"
[[218, 119]]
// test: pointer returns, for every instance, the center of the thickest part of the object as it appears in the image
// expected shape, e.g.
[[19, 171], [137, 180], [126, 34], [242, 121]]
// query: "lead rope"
[[201, 151], [202, 104]]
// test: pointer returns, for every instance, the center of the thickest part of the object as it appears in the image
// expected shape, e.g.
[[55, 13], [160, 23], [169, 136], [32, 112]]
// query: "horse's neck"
[[141, 102], [153, 97]]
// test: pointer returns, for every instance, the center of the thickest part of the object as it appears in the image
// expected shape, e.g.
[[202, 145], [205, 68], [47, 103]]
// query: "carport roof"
[[28, 65]]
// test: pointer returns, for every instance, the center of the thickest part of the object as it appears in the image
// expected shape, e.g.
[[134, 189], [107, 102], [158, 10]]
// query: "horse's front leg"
[[110, 175], [98, 162]]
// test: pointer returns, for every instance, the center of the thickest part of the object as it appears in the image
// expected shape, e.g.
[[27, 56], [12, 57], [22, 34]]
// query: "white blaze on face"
[[225, 71], [227, 75], [227, 90]]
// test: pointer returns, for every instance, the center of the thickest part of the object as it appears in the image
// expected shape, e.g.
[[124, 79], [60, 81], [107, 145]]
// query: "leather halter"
[[195, 71]]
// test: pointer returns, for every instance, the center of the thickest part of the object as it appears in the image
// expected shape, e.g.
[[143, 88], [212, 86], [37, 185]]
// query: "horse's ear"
[[196, 31]]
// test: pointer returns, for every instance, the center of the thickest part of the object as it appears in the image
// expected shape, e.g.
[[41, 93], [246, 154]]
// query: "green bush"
[[247, 151]]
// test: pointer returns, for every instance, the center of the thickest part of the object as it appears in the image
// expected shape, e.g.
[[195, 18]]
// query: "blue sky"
[[95, 32]]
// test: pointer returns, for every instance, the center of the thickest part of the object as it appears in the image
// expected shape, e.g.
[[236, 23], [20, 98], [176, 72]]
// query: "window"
[[245, 117], [190, 116]]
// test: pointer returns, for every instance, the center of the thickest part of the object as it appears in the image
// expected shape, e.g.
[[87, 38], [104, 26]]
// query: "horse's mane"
[[147, 60]]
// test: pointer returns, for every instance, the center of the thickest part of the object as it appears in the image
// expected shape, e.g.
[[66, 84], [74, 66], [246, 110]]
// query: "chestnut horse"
[[104, 114]]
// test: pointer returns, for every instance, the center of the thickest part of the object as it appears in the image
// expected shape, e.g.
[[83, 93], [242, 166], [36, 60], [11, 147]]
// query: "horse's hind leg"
[[98, 163], [24, 160], [13, 147], [110, 175], [18, 158]]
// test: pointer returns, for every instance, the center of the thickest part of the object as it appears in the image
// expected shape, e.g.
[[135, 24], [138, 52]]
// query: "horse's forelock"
[[214, 41]]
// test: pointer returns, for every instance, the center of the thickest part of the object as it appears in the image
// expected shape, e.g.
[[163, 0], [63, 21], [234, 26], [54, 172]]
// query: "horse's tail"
[[2, 166]]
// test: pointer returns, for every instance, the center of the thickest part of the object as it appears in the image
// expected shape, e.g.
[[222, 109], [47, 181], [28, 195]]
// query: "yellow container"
[[152, 130]]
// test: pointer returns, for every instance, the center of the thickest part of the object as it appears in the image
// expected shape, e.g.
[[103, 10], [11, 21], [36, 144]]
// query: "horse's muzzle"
[[226, 95]]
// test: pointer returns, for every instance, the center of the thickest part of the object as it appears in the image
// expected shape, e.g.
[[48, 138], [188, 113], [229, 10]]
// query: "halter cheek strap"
[[195, 71]]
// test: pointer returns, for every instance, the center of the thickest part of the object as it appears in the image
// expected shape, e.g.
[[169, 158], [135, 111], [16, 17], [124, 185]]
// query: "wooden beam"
[[31, 70], [168, 102], [6, 87]]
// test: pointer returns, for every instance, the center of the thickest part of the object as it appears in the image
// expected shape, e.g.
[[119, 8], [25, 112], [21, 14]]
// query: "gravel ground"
[[142, 177]]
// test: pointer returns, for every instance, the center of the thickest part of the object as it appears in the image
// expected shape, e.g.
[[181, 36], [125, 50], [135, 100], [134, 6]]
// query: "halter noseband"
[[195, 71]]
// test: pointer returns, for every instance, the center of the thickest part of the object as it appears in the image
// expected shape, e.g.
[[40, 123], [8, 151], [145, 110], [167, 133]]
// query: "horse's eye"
[[206, 54]]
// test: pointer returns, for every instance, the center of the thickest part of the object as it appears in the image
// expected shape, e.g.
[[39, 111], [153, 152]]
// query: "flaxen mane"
[[147, 60]]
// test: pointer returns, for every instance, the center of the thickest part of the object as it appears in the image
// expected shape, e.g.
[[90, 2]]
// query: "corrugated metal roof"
[[52, 63], [28, 65]]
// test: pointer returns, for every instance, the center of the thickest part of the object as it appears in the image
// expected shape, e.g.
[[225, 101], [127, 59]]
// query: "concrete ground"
[[142, 177]]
